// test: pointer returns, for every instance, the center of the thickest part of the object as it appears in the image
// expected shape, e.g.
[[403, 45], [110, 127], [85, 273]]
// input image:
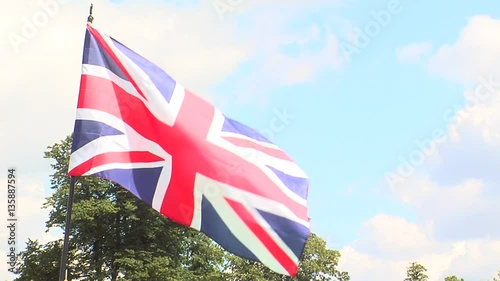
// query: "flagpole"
[[64, 258], [71, 194], [90, 18]]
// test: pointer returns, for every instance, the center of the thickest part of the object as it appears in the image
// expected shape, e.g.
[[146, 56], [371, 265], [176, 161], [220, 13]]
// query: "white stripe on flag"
[[157, 104], [131, 141], [237, 227], [214, 137]]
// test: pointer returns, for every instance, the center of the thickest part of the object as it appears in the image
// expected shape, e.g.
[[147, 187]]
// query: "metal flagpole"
[[62, 270], [67, 228], [90, 18]]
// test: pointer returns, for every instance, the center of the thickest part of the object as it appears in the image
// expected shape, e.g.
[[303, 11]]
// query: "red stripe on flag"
[[114, 157], [183, 140], [104, 95], [250, 144], [100, 40], [288, 264]]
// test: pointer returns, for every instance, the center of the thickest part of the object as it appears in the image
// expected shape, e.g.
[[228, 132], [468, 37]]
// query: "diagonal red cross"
[[186, 143], [191, 153]]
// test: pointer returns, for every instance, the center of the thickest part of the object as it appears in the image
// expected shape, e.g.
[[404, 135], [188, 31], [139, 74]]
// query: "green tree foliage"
[[453, 278], [40, 261], [115, 236], [416, 272]]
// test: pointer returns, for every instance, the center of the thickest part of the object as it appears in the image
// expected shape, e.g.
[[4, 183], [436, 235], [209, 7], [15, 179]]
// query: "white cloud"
[[474, 58], [390, 236], [476, 53], [428, 197], [413, 52], [455, 202], [294, 70], [483, 118], [30, 217], [455, 229], [271, 28], [402, 242]]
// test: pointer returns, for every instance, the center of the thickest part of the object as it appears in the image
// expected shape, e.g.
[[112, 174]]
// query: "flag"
[[138, 127]]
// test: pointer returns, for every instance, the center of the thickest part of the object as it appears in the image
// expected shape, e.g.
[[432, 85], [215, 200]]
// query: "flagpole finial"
[[90, 18]]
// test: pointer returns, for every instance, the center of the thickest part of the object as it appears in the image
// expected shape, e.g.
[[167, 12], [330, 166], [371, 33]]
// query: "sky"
[[392, 108]]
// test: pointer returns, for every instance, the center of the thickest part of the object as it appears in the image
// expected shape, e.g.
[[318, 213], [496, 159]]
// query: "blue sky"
[[354, 124], [355, 119]]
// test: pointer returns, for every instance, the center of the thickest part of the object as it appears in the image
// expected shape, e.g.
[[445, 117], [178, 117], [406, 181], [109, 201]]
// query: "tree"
[[38, 261], [498, 277], [115, 236], [416, 272], [453, 278]]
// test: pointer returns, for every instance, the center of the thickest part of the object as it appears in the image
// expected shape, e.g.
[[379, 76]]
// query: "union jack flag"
[[138, 127]]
